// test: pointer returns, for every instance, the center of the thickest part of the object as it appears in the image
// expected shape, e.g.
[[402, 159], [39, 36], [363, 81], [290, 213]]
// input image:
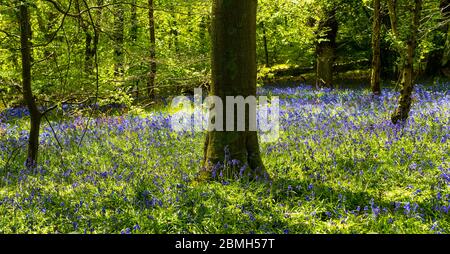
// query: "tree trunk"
[[152, 73], [445, 61], [392, 8], [89, 52], [203, 30], [174, 31], [91, 38], [134, 22], [119, 39], [407, 83], [233, 74], [35, 114], [376, 49], [326, 46], [266, 51], [436, 61]]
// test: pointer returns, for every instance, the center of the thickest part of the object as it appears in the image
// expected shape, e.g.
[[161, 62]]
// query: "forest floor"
[[339, 166]]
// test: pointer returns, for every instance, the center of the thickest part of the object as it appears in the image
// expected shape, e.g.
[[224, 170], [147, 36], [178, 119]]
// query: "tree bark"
[[119, 39], [35, 114], [326, 46], [233, 74], [152, 73], [392, 8], [376, 49], [402, 112]]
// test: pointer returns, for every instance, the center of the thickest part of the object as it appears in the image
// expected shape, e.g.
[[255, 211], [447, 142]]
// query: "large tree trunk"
[[152, 73], [35, 114], [119, 39], [326, 47], [233, 74], [376, 49], [407, 83]]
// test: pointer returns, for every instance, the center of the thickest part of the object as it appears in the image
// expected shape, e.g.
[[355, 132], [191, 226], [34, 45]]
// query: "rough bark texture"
[[119, 39], [152, 72], [407, 83], [233, 74], [376, 49], [326, 47], [35, 114]]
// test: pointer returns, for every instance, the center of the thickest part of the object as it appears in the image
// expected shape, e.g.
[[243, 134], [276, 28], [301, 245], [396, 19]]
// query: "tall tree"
[[152, 72], [392, 8], [234, 74], [134, 22], [118, 39], [91, 30], [35, 114], [445, 61], [376, 49], [326, 47], [407, 82], [266, 51], [437, 60]]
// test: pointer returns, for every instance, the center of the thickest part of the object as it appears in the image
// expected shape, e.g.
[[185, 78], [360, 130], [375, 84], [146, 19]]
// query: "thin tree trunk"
[[445, 61], [392, 8], [88, 49], [376, 49], [203, 30], [134, 22], [35, 114], [266, 51], [233, 74], [407, 83], [152, 74], [436, 61], [91, 38], [325, 50], [89, 52], [174, 32], [119, 39]]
